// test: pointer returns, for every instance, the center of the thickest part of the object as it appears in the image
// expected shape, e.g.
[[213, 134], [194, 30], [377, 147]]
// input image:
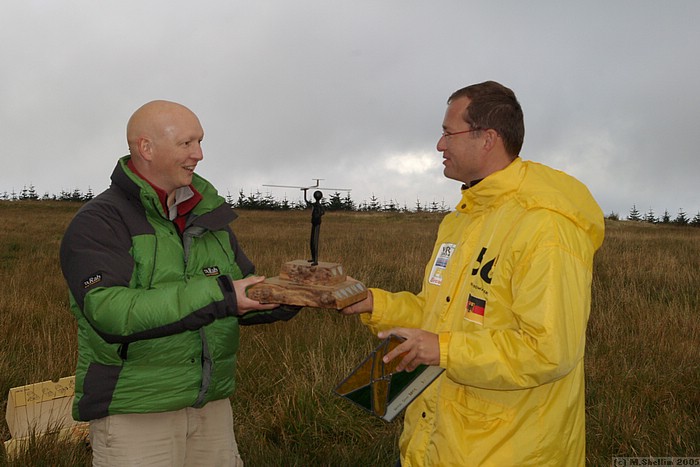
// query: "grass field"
[[642, 358]]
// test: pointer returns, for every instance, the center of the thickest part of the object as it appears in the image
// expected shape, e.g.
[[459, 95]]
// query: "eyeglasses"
[[447, 133]]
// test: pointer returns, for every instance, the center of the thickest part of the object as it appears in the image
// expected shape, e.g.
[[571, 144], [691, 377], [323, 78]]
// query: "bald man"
[[157, 283]]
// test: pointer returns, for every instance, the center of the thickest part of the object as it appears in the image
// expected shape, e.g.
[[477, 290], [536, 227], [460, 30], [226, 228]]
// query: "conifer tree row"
[[337, 202], [256, 200], [680, 219]]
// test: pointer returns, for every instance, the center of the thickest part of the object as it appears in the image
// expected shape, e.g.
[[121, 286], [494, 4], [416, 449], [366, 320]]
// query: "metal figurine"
[[316, 212]]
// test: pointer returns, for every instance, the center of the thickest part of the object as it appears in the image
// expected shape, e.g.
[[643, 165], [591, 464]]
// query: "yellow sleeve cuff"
[[444, 339], [378, 307]]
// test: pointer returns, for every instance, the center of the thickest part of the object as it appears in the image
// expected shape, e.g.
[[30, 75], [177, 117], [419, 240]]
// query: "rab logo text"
[[211, 271], [484, 270], [90, 281]]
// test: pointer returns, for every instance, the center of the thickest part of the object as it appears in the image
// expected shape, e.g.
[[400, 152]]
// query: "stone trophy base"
[[323, 285]]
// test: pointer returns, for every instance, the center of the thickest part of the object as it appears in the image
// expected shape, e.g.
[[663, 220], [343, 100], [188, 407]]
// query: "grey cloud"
[[290, 91]]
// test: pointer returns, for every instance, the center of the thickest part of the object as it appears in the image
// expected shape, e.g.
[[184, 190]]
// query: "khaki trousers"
[[187, 437]]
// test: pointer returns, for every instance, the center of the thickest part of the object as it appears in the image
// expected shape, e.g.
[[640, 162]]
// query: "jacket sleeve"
[[281, 313], [550, 286], [97, 264], [402, 309]]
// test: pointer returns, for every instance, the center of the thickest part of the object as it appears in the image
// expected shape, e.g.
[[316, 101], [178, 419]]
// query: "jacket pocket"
[[472, 407]]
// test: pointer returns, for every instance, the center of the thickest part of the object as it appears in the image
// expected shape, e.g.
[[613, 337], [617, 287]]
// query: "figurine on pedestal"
[[316, 212], [310, 282]]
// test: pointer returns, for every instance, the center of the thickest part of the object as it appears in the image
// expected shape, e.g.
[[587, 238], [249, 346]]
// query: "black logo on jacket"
[[211, 271], [484, 270]]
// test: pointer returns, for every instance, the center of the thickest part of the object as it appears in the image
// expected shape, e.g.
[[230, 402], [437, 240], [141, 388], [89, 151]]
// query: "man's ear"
[[145, 147], [490, 139]]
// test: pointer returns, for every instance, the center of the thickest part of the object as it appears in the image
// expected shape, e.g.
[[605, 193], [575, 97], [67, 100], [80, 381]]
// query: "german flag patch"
[[476, 307]]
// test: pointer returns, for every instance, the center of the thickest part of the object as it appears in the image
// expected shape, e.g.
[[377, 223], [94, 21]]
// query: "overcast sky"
[[353, 92]]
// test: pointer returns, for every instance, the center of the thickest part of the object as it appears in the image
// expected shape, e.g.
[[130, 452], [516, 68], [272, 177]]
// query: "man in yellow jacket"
[[504, 303]]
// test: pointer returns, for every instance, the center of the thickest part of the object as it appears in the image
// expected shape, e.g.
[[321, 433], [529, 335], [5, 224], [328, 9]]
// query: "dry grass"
[[643, 354], [642, 360]]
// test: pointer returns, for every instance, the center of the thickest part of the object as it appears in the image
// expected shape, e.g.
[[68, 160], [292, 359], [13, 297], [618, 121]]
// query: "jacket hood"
[[536, 186]]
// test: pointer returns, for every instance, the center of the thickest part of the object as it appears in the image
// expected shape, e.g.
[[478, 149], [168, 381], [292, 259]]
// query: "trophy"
[[311, 283]]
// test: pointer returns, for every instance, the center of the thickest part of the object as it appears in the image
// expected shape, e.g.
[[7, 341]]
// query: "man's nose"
[[441, 146], [198, 153]]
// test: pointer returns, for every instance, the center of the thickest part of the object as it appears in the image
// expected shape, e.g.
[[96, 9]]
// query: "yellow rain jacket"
[[508, 291]]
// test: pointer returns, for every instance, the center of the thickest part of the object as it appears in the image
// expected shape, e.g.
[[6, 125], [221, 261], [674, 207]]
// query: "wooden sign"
[[322, 285], [41, 408]]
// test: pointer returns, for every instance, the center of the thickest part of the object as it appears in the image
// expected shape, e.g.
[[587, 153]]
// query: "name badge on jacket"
[[443, 257]]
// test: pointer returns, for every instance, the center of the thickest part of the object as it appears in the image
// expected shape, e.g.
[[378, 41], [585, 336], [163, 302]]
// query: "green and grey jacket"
[[157, 315]]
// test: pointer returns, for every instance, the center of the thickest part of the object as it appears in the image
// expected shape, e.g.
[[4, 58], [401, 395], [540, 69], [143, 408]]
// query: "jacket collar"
[[493, 190], [212, 211]]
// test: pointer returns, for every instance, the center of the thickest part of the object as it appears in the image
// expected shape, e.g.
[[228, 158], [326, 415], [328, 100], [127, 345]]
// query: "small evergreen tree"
[[254, 200], [335, 203], [634, 214], [268, 202], [419, 208], [29, 193], [696, 220], [650, 217], [666, 218], [681, 218], [374, 204], [391, 206], [241, 201], [89, 195], [348, 204]]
